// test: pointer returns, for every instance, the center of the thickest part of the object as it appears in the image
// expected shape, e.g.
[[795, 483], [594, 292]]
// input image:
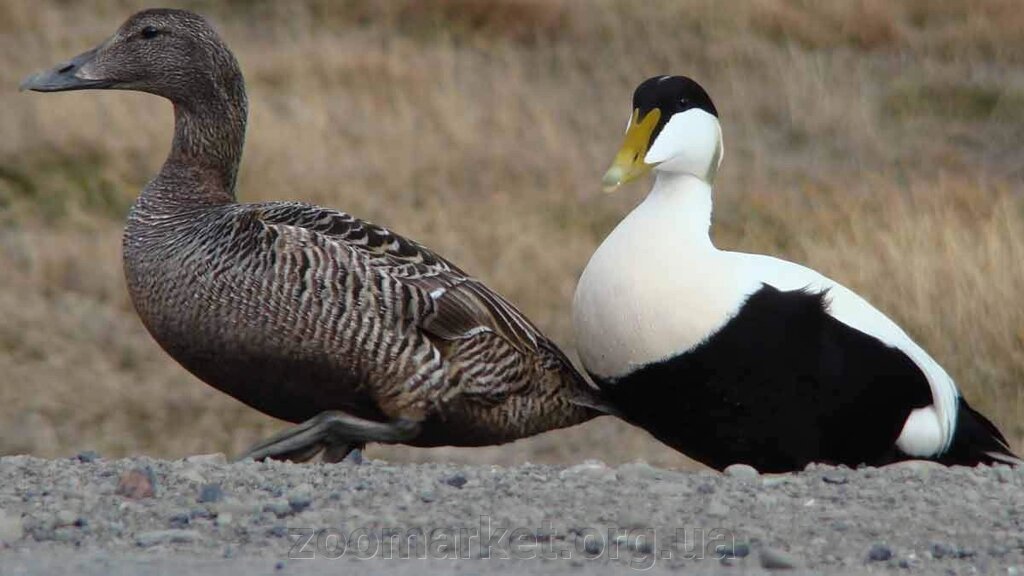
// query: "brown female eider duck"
[[306, 313]]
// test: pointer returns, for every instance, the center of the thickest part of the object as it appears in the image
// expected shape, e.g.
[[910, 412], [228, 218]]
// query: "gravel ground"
[[88, 515]]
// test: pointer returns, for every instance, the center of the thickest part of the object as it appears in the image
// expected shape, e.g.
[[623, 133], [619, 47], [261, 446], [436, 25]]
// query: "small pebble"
[[280, 508], [772, 559], [741, 471], [835, 478], [299, 502], [962, 553], [593, 546], [642, 545], [717, 508], [191, 474], [1006, 475], [11, 527], [238, 507], [428, 496], [354, 457], [217, 459], [706, 488], [224, 519], [775, 480], [87, 456], [588, 470], [180, 520], [64, 518], [840, 525], [940, 550], [736, 550], [172, 536], [879, 553], [200, 512], [210, 493], [137, 483], [458, 480], [915, 466], [641, 471], [67, 536]]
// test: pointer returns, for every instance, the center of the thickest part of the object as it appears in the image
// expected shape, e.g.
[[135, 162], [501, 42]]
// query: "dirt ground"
[[89, 515]]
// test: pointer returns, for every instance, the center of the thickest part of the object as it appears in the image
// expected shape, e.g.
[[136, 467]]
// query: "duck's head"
[[171, 53], [673, 128]]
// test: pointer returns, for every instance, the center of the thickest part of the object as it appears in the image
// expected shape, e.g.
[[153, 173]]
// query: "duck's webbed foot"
[[334, 433]]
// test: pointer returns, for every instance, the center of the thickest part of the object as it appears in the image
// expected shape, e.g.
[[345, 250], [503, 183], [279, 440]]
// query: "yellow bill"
[[629, 162]]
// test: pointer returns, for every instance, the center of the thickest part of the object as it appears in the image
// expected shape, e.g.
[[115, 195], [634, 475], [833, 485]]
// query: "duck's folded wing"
[[461, 307]]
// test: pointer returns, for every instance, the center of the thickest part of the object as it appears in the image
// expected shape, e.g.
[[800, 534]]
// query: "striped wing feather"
[[463, 307]]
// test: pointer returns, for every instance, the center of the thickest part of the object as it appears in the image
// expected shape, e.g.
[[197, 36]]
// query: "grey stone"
[[210, 493], [277, 531], [299, 502], [214, 459], [717, 508], [171, 536], [87, 456], [940, 550], [742, 471], [354, 458], [64, 518], [835, 478], [589, 470], [279, 507], [457, 480], [11, 527], [180, 520], [879, 553], [734, 550], [774, 559]]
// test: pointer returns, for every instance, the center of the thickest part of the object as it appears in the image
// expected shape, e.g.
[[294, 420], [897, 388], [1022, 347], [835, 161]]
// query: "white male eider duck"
[[743, 358]]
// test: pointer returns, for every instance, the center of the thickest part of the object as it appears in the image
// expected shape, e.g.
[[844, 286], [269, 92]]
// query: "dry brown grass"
[[878, 142]]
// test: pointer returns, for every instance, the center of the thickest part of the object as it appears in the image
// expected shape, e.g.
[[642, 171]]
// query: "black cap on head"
[[672, 94]]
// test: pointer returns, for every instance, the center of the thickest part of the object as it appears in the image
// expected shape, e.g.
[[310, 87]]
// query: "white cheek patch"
[[689, 142]]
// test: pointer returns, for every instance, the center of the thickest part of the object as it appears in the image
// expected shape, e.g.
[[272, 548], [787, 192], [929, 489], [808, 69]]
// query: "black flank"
[[781, 385]]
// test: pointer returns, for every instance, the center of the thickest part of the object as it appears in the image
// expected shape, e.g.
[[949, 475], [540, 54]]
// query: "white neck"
[[677, 207], [634, 302]]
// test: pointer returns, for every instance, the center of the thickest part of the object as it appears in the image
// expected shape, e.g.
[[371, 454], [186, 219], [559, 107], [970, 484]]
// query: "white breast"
[[650, 293]]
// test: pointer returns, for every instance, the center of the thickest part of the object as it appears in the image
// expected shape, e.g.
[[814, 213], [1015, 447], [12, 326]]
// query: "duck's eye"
[[150, 32]]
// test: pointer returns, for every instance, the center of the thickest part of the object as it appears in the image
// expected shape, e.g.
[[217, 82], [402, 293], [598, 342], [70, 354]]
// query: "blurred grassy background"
[[876, 141]]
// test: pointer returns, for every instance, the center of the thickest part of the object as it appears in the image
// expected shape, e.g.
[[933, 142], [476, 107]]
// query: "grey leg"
[[334, 431]]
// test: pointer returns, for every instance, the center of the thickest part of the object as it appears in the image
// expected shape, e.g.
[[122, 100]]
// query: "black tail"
[[977, 441]]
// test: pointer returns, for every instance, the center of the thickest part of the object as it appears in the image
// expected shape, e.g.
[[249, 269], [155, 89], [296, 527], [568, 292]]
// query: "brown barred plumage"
[[296, 309]]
